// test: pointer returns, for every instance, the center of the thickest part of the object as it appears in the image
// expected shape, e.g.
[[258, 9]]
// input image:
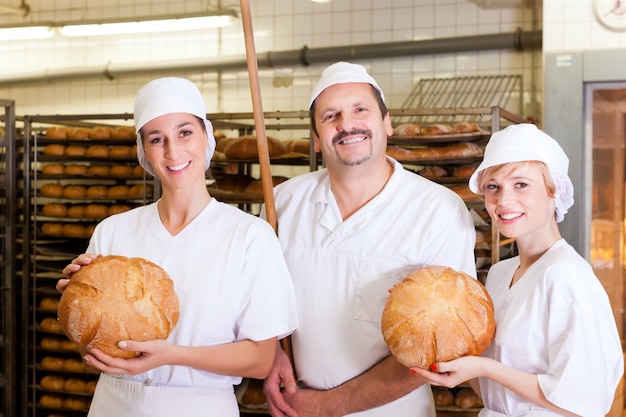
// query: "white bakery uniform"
[[555, 322], [232, 283], [342, 270]]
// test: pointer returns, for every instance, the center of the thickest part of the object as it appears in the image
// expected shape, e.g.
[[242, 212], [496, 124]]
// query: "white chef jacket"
[[555, 322], [230, 277], [342, 270]]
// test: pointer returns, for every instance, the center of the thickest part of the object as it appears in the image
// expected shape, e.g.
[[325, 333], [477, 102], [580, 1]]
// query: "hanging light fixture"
[[152, 24]]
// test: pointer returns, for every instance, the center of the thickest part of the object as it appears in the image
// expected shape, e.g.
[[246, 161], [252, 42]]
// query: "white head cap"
[[343, 72], [524, 142], [164, 96]]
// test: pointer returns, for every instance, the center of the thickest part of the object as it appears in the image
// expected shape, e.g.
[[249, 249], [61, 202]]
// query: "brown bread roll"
[[76, 211], [51, 401], [138, 171], [99, 170], [75, 170], [73, 230], [52, 382], [117, 298], [54, 149], [90, 387], [120, 151], [97, 151], [50, 324], [302, 146], [443, 397], [123, 132], [52, 363], [73, 365], [74, 385], [407, 129], [52, 229], [51, 190], [78, 133], [74, 150], [54, 210], [53, 169], [437, 314], [96, 211], [121, 171], [118, 208], [245, 147], [466, 398], [118, 191], [75, 403], [49, 303], [56, 132], [97, 191], [99, 132], [50, 343], [74, 191]]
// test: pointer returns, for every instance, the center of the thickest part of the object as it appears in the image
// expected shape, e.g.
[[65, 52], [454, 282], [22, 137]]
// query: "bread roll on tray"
[[437, 314]]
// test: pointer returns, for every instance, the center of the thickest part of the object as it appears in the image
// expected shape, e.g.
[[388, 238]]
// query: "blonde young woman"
[[556, 351], [235, 291]]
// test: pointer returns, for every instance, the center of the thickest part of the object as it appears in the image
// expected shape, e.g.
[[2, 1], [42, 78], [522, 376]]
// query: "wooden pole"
[[261, 137]]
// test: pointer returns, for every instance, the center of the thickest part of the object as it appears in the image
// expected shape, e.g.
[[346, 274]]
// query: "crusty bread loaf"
[[50, 343], [437, 314], [90, 387], [76, 211], [74, 191], [407, 129], [97, 151], [99, 170], [54, 149], [57, 132], [117, 298], [96, 211], [75, 169], [437, 129], [118, 191], [466, 398], [51, 190], [74, 385], [74, 150], [97, 191], [50, 324], [78, 133], [245, 147], [52, 382], [443, 397], [53, 169], [452, 151], [49, 303], [52, 363], [117, 209], [51, 401], [121, 170], [99, 132], [123, 132], [75, 403], [465, 127], [52, 229], [120, 151], [54, 210], [302, 146], [73, 230], [433, 171]]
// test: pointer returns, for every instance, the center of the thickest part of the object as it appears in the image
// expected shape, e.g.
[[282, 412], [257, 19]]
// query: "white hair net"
[[164, 96], [525, 142], [343, 72]]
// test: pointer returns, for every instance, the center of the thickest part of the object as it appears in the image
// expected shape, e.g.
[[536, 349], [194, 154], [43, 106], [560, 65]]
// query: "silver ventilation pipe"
[[305, 56]]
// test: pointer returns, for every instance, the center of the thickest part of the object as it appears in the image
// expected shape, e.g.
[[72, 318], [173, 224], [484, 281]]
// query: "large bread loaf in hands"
[[437, 314], [116, 298]]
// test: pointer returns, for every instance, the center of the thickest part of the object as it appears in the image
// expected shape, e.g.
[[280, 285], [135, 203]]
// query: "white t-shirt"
[[229, 274], [555, 322], [342, 270]]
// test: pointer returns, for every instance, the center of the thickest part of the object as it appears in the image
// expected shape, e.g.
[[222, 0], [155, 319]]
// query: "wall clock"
[[611, 13]]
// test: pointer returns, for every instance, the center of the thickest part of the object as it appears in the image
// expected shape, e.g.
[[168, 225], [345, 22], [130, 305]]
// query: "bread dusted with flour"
[[116, 298], [437, 314]]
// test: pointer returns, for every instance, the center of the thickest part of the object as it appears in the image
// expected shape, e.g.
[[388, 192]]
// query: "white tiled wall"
[[279, 25], [571, 25]]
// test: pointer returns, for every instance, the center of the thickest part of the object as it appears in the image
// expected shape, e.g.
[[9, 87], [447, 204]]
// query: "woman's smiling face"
[[175, 145], [518, 199]]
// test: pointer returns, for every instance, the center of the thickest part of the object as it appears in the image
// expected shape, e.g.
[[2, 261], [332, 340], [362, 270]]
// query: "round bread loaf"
[[123, 132], [97, 191], [96, 211], [245, 147], [120, 151], [52, 190], [99, 170], [121, 170], [90, 387], [54, 210], [50, 324], [50, 343], [49, 303], [75, 403], [57, 132], [73, 230], [54, 149], [52, 363], [118, 191], [78, 133], [437, 314], [52, 382], [98, 151], [74, 385], [52, 229], [117, 208], [75, 170], [116, 298], [53, 169], [73, 365], [74, 150], [76, 211], [51, 401], [74, 191], [99, 132]]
